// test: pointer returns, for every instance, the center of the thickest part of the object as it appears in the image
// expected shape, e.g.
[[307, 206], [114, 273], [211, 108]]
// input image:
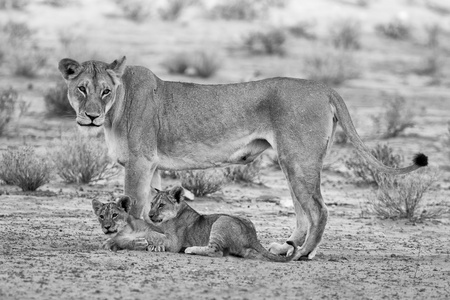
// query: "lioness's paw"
[[281, 249], [140, 244]]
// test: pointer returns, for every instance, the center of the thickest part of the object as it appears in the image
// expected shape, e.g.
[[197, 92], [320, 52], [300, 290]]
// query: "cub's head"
[[166, 204], [92, 88], [112, 216]]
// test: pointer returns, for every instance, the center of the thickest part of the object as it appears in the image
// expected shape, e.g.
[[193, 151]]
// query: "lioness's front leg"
[[138, 176]]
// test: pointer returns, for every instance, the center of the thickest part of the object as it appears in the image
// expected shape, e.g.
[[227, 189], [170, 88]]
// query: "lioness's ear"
[[96, 205], [177, 193], [69, 68], [117, 67], [125, 203]]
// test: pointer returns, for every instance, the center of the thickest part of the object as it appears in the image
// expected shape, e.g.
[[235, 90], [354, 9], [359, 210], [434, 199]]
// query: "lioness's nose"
[[92, 116]]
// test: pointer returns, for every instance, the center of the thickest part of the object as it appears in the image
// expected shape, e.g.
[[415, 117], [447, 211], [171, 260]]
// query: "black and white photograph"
[[224, 149]]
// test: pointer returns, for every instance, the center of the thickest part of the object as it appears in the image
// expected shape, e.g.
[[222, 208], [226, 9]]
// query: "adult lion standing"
[[153, 124]]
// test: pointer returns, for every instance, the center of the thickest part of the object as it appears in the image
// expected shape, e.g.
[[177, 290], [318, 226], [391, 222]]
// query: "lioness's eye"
[[102, 216], [106, 92], [114, 215], [82, 89]]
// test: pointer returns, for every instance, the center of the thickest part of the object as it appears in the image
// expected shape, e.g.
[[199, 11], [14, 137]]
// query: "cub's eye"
[[106, 92], [82, 89], [161, 205], [114, 215], [102, 217]]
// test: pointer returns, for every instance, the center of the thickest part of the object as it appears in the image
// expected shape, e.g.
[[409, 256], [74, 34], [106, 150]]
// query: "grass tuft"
[[202, 183]]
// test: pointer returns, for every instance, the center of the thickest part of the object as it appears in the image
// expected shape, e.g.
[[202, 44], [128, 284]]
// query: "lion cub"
[[124, 230], [209, 235]]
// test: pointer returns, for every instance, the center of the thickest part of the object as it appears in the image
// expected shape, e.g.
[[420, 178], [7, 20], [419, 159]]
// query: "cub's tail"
[[274, 257]]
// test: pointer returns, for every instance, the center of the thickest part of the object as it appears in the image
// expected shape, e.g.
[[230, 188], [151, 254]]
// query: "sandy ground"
[[50, 240]]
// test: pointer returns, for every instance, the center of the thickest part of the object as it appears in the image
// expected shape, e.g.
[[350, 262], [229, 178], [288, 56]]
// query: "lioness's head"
[[166, 204], [92, 88], [112, 216]]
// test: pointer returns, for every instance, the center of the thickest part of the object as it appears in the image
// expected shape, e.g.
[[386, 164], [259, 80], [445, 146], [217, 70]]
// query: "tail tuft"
[[420, 160]]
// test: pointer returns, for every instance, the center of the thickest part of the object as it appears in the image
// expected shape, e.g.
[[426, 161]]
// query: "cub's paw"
[[281, 249], [110, 245], [153, 248], [140, 244]]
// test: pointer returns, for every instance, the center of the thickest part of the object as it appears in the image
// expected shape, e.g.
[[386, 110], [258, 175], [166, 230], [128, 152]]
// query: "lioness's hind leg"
[[209, 250]]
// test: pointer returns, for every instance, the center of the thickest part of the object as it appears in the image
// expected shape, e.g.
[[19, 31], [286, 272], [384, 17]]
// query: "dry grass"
[[174, 8], [248, 173], [403, 196], [270, 42], [395, 29], [24, 168], [177, 63], [80, 159], [8, 100], [395, 119], [367, 174], [202, 183], [57, 103], [205, 64], [302, 30], [331, 66], [134, 10]]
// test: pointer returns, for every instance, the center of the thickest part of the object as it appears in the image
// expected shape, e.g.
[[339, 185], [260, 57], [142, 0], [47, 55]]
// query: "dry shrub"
[[134, 10], [82, 159], [205, 64], [400, 197], [345, 34], [395, 119], [332, 66], [302, 30], [395, 29], [202, 183], [24, 168], [365, 172], [270, 42], [57, 103], [8, 100], [236, 10], [248, 173], [174, 8], [177, 63]]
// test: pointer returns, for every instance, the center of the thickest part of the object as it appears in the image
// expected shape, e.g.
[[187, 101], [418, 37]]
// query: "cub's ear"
[[117, 67], [96, 205], [179, 194], [69, 68], [125, 203]]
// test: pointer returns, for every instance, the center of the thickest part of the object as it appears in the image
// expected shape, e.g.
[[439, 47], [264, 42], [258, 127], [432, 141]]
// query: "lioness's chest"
[[117, 147]]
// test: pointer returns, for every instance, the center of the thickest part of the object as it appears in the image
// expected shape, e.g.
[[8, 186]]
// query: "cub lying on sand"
[[209, 235], [124, 230]]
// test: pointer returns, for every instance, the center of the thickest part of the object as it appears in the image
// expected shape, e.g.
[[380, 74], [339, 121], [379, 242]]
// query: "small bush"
[[248, 173], [236, 10], [346, 34], [395, 29], [270, 42], [8, 100], [57, 103], [24, 168], [174, 8], [13, 4], [202, 183], [205, 64], [178, 63], [332, 66], [365, 172], [395, 119], [302, 30], [432, 65], [28, 62], [402, 197], [80, 159], [134, 10], [17, 32]]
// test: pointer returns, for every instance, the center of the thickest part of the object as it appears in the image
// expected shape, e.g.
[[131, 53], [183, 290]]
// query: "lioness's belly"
[[201, 156]]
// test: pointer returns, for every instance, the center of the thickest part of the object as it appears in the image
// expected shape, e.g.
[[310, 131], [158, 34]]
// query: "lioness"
[[124, 230], [153, 124], [210, 235]]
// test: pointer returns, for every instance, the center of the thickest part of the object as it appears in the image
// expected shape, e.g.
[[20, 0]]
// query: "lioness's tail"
[[274, 257], [343, 117]]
